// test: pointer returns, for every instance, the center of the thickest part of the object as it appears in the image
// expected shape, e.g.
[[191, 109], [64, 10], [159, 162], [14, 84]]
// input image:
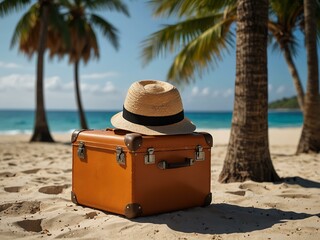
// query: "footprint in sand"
[[12, 189], [41, 180], [254, 187], [294, 195], [238, 193], [7, 174], [31, 225], [5, 206], [7, 156], [53, 189], [32, 171], [20, 208]]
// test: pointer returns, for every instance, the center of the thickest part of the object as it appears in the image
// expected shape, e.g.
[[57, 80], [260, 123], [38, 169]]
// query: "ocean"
[[22, 121]]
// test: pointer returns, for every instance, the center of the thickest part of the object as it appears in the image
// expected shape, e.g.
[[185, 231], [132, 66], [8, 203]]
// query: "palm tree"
[[285, 17], [248, 156], [81, 21], [205, 33], [202, 37], [310, 136], [44, 11]]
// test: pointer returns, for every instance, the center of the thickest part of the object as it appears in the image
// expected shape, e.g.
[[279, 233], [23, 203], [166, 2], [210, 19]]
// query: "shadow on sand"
[[301, 182], [223, 218]]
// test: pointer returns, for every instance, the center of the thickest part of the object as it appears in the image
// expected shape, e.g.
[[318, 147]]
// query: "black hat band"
[[152, 120]]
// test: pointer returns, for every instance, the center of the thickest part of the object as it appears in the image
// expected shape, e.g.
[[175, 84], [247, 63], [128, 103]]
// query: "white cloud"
[[227, 93], [280, 89], [86, 88], [109, 88], [52, 84], [194, 91], [99, 75], [9, 65], [97, 88], [216, 93], [205, 91], [17, 81], [27, 82], [270, 87]]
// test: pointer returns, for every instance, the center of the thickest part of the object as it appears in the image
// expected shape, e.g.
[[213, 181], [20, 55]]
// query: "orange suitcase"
[[137, 175]]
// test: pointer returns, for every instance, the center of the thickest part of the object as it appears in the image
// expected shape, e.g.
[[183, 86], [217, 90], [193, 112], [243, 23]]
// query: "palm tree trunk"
[[295, 76], [248, 156], [41, 131], [310, 136], [83, 121]]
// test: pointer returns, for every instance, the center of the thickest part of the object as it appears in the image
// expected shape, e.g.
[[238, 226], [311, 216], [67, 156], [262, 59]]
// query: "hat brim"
[[183, 127]]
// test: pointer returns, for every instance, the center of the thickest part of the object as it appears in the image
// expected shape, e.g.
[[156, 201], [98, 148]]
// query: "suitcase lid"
[[134, 142]]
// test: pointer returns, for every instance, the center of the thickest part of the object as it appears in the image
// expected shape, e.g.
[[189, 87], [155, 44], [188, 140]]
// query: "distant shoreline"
[[16, 121]]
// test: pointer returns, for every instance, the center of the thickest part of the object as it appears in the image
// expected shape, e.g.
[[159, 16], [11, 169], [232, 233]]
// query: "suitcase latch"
[[81, 151], [121, 156], [150, 158], [200, 154]]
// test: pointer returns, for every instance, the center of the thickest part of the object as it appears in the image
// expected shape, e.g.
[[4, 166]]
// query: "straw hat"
[[153, 108]]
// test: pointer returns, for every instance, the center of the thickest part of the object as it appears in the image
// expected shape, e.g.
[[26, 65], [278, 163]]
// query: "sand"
[[35, 185]]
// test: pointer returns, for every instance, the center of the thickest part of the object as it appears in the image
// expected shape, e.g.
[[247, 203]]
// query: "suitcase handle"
[[163, 165]]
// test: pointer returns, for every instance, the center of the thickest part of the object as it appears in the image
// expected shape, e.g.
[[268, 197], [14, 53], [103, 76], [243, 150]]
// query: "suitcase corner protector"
[[74, 198], [207, 200], [133, 210], [75, 134], [209, 139], [133, 141]]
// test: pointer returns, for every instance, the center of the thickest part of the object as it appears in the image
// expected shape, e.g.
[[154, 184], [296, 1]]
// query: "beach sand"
[[35, 181]]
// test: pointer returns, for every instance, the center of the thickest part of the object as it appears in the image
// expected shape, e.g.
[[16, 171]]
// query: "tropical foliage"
[[44, 12], [285, 19], [198, 39], [204, 34], [285, 103], [82, 21], [65, 27]]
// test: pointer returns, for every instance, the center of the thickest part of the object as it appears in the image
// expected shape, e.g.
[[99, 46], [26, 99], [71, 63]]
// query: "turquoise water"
[[22, 121]]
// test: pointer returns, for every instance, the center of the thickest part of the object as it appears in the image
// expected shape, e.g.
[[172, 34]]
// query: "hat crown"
[[154, 88], [153, 98]]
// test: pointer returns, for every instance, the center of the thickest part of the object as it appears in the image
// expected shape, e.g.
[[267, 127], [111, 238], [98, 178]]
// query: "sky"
[[104, 82]]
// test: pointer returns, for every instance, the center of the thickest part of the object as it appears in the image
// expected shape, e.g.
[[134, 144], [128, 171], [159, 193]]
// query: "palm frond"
[[173, 37], [285, 18], [186, 7], [9, 6], [91, 45], [207, 49], [58, 24], [107, 29], [116, 5], [283, 38], [65, 3], [25, 24]]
